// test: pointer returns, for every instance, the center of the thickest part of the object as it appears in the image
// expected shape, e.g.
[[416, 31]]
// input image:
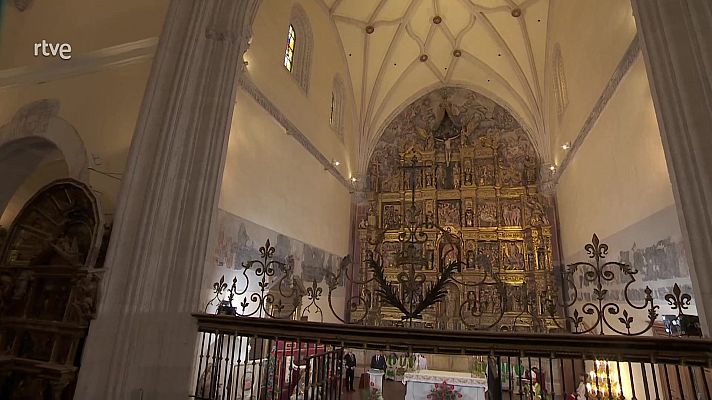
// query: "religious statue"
[[512, 256], [467, 172], [456, 176], [469, 222], [440, 176]]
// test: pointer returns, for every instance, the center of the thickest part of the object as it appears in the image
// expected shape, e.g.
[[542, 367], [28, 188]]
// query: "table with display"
[[418, 384]]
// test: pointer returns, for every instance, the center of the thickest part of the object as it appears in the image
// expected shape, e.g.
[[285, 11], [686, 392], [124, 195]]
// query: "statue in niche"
[[440, 174], [467, 172], [512, 256], [486, 175], [456, 176], [530, 170], [469, 218], [428, 178]]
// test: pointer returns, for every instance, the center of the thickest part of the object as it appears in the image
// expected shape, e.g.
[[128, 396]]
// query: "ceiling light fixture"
[[370, 29], [566, 146], [437, 19], [457, 53], [517, 12], [423, 58]]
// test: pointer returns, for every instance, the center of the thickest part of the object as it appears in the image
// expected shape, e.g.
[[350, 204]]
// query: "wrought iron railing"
[[268, 288], [303, 360]]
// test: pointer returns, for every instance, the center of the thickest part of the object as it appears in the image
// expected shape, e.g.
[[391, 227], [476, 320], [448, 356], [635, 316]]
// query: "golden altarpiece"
[[470, 168]]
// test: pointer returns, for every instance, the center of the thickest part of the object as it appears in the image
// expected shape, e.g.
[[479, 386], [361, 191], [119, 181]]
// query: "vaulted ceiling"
[[398, 50]]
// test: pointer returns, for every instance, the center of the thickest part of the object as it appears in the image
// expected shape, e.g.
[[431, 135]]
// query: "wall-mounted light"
[[566, 146], [552, 168], [336, 163], [353, 179]]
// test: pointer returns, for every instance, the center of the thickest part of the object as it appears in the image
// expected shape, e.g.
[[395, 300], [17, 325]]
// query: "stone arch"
[[34, 136]]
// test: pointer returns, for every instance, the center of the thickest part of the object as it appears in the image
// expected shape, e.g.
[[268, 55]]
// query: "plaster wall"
[[309, 110], [617, 186], [102, 107], [593, 36], [271, 180]]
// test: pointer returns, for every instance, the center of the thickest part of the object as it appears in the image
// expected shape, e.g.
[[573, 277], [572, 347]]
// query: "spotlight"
[[336, 163], [566, 146], [552, 168], [353, 179]]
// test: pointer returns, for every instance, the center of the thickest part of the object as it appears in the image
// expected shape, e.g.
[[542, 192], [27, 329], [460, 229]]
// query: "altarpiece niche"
[[475, 174]]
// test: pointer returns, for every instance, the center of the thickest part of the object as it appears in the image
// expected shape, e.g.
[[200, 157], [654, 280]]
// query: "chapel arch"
[[35, 137]]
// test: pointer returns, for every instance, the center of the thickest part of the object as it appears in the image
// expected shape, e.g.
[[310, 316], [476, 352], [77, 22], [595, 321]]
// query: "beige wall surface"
[[310, 110], [273, 181], [617, 186], [593, 36], [618, 176], [103, 108], [87, 25]]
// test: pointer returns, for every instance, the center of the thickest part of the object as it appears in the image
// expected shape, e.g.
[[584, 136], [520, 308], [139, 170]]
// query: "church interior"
[[355, 199]]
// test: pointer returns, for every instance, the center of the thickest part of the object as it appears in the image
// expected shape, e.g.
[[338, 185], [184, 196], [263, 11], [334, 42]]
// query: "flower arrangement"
[[444, 391]]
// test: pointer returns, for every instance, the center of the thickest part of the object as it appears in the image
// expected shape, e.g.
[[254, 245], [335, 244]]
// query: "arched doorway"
[[49, 281], [37, 147]]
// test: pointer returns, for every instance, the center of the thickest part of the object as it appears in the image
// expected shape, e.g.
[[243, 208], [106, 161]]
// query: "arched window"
[[289, 52], [298, 51], [336, 115], [560, 90]]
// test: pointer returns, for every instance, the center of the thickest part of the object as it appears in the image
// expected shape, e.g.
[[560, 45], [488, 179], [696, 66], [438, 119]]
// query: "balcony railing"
[[256, 358]]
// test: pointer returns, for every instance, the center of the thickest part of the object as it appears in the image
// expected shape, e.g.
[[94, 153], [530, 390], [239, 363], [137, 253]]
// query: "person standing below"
[[378, 361], [350, 363]]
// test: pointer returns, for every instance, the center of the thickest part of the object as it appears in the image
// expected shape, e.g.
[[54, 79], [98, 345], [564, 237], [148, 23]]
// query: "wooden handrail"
[[622, 348]]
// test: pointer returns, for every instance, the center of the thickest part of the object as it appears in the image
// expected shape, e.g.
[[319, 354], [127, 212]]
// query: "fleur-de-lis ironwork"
[[677, 300], [600, 273]]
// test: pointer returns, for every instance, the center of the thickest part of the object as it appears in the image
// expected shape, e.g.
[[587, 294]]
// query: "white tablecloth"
[[418, 384]]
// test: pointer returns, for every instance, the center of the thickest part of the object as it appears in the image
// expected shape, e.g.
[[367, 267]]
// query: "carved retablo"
[[477, 177]]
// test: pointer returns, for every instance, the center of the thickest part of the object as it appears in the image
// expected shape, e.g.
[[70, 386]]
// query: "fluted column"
[[141, 344], [677, 44]]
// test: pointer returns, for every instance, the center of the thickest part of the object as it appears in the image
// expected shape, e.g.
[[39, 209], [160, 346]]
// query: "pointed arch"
[[300, 43]]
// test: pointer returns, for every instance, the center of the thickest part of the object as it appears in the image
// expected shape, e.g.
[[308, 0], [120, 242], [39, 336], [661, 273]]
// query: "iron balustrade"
[[298, 360]]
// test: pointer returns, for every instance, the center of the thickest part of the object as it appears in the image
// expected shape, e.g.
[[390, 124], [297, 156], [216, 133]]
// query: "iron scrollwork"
[[604, 312]]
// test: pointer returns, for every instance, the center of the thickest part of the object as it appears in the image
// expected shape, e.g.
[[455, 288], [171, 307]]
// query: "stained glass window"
[[289, 52]]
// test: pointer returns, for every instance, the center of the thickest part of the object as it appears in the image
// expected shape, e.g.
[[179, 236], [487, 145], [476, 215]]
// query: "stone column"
[[141, 345], [677, 45]]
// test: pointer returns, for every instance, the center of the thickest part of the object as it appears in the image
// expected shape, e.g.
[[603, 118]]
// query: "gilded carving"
[[471, 168]]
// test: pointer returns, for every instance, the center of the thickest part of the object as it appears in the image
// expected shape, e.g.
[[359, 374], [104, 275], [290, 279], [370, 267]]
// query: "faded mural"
[[239, 241], [302, 286], [654, 248]]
